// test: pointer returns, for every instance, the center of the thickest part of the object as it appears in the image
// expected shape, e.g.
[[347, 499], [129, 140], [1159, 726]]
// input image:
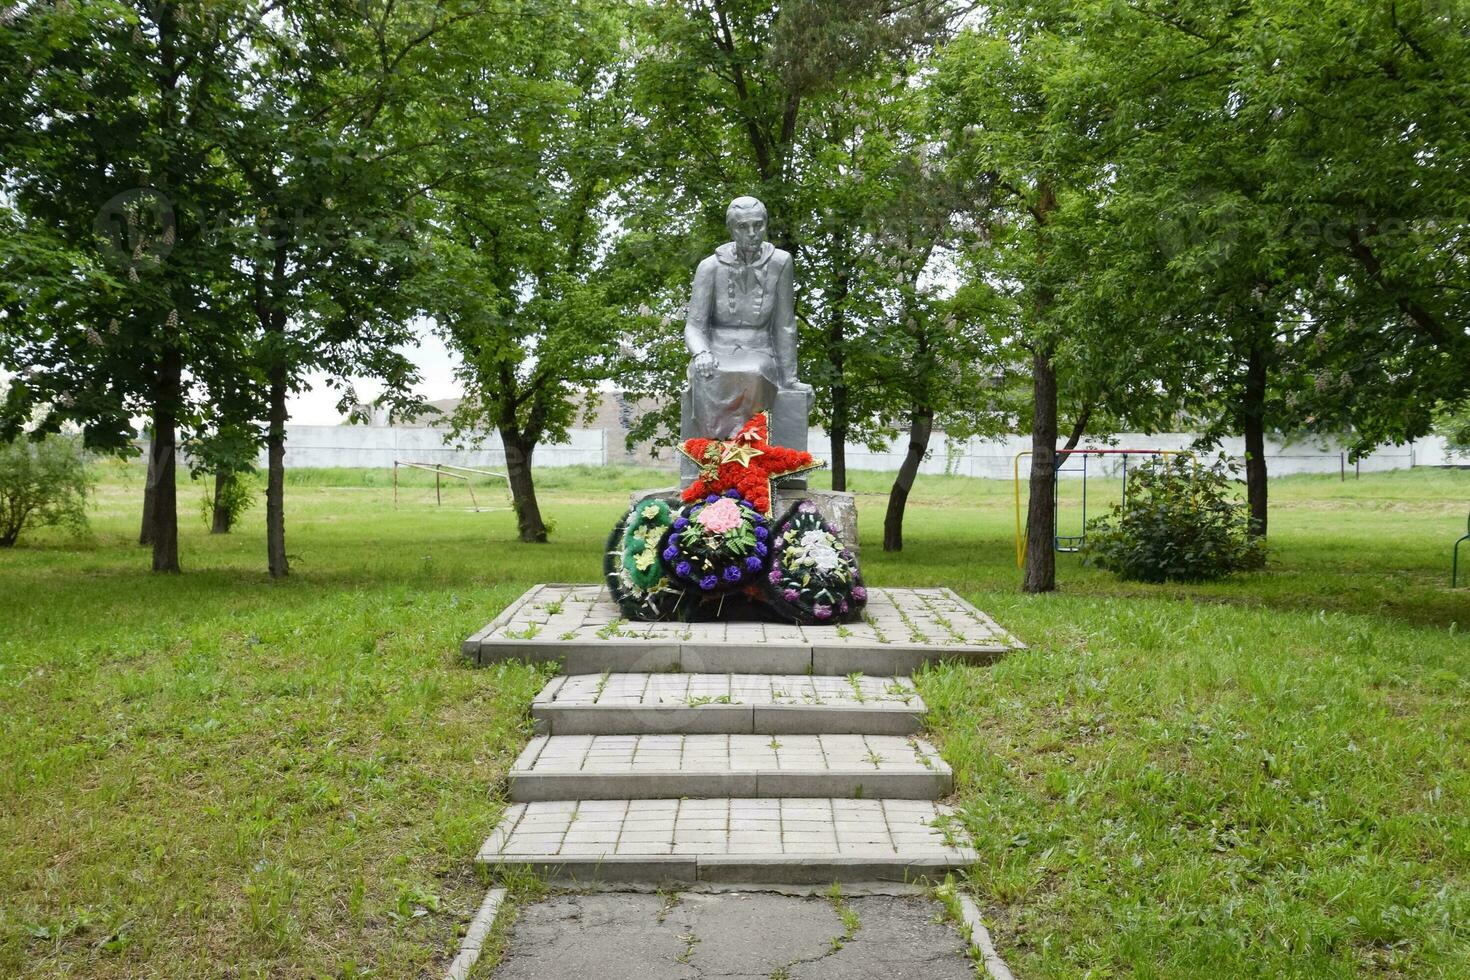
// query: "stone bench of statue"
[[741, 334]]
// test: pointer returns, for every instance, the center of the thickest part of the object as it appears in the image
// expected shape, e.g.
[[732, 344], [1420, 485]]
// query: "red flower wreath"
[[746, 463]]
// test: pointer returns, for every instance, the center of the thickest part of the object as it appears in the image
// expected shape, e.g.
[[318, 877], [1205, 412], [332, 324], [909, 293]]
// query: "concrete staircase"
[[730, 778], [654, 760]]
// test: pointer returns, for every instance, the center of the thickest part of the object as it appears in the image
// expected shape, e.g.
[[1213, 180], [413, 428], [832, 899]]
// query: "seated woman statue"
[[741, 333]]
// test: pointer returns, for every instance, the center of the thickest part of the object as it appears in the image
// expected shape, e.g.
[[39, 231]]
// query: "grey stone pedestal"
[[790, 412]]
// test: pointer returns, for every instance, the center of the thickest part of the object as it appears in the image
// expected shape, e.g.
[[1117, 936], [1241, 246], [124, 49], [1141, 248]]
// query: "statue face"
[[748, 229]]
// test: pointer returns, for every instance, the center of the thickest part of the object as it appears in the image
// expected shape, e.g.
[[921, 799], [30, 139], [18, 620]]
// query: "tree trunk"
[[275, 482], [162, 463], [145, 530], [839, 437], [1253, 424], [221, 523], [1041, 510], [921, 426], [518, 450], [837, 358]]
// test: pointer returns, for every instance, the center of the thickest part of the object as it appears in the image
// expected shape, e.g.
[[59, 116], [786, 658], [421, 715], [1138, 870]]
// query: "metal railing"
[[440, 471]]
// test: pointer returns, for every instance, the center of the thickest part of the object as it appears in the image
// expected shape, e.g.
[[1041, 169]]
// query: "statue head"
[[746, 220]]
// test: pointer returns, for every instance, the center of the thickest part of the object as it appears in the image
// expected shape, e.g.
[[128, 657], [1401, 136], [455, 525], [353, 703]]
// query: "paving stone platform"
[[612, 767], [582, 626], [790, 841], [733, 704], [755, 760]]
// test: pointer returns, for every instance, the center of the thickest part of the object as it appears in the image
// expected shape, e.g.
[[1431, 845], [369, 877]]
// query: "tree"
[[111, 114], [1003, 129], [517, 280], [933, 358], [1361, 142], [257, 170], [331, 164], [1273, 196], [779, 89], [1017, 95], [227, 454]]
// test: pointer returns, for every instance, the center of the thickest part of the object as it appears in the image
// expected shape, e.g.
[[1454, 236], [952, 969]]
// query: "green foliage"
[[43, 483], [1454, 424], [1179, 521], [234, 495]]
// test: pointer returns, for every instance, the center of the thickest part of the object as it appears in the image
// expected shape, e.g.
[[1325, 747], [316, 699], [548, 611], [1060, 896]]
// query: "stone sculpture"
[[741, 335]]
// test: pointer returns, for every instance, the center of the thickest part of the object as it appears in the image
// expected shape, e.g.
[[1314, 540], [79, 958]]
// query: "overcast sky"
[[319, 405]]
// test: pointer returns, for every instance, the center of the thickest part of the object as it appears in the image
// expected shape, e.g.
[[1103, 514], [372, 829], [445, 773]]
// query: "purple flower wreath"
[[814, 577], [718, 544]]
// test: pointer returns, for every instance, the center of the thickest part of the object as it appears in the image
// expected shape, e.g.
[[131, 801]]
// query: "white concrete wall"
[[379, 446], [995, 458]]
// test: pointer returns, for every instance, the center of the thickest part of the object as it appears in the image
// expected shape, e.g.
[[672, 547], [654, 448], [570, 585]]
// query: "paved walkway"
[[677, 753], [759, 776], [739, 936]]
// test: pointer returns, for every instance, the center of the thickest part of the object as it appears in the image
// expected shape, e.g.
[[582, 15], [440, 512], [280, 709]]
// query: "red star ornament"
[[747, 463]]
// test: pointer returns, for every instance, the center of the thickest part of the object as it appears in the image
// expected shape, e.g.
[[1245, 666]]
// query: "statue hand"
[[811, 395], [706, 363]]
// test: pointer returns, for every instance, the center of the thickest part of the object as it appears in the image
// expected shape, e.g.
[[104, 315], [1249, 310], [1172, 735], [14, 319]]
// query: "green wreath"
[[647, 524]]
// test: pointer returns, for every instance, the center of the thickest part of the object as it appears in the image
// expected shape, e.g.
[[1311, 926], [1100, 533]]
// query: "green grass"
[[217, 775]]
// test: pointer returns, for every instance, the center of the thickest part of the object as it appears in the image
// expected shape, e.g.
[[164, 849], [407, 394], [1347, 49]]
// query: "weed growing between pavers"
[[845, 913], [1265, 776]]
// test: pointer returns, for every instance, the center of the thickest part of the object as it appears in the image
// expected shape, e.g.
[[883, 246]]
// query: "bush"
[[233, 495], [43, 484], [1178, 521]]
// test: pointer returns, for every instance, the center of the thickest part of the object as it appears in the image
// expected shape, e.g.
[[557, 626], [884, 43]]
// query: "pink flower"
[[720, 516]]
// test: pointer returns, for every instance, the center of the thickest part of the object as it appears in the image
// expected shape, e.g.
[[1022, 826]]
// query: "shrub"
[[1178, 521], [226, 502], [43, 484]]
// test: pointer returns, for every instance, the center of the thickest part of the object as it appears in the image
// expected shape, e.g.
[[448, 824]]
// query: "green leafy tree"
[[111, 113], [1275, 185], [1007, 132], [769, 98], [328, 162], [517, 280]]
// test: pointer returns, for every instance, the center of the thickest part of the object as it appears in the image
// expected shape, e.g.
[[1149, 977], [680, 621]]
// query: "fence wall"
[[379, 446], [996, 458]]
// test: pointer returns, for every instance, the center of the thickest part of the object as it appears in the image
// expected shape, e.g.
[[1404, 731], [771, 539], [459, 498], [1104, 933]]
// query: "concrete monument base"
[[790, 411]]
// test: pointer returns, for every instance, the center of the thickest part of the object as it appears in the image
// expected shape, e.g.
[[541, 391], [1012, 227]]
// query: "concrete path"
[[679, 753], [736, 936]]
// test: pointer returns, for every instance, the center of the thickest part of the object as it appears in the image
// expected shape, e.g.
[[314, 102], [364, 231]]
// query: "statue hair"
[[742, 204]]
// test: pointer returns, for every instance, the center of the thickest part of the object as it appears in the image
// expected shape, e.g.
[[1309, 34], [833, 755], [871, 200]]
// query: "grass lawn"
[[217, 775]]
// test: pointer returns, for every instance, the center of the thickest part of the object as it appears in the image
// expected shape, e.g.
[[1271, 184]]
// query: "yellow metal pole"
[[1016, 484]]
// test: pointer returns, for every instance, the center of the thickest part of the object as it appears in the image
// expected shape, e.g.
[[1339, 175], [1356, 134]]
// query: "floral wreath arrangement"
[[813, 577], [718, 545], [633, 567], [746, 464]]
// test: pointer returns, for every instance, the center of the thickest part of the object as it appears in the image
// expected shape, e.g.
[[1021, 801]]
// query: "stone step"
[[626, 767], [732, 704], [581, 626], [778, 841]]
